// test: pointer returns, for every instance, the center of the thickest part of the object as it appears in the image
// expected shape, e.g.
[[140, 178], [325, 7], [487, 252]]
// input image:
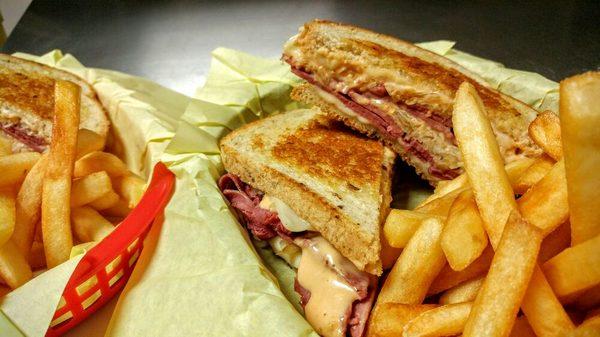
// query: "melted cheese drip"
[[331, 295]]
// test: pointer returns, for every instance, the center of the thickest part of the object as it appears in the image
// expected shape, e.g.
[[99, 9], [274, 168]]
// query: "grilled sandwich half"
[[318, 193], [399, 93]]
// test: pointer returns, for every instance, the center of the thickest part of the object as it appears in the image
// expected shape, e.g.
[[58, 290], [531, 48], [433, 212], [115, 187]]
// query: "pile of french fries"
[[504, 250], [72, 194]]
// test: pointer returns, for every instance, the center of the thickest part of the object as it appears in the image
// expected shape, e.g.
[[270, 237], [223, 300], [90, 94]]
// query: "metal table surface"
[[170, 41]]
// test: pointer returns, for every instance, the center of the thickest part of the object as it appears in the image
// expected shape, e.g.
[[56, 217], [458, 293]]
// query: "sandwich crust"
[[345, 206]]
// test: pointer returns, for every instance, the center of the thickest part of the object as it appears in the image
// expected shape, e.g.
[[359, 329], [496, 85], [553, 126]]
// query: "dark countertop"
[[170, 41]]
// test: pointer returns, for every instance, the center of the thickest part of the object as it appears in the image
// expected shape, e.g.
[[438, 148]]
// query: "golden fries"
[[513, 170], [130, 188], [87, 142], [440, 206], [389, 254], [449, 277], [545, 204], [56, 191], [89, 225], [575, 269], [7, 214], [388, 319], [14, 269], [108, 200], [537, 231], [463, 237], [14, 167], [418, 265], [544, 312], [464, 292], [120, 209], [447, 320], [400, 226], [482, 161], [497, 303], [29, 200], [545, 132], [99, 161], [580, 122], [90, 188], [533, 174]]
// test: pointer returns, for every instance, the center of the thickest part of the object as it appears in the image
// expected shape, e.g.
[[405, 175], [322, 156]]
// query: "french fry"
[[580, 122], [533, 174], [389, 254], [56, 191], [108, 200], [545, 204], [575, 269], [482, 161], [446, 186], [555, 242], [521, 328], [544, 312], [7, 213], [545, 132], [388, 319], [130, 188], [90, 188], [447, 320], [497, 303], [28, 206], [89, 225], [14, 269], [418, 265], [464, 292], [99, 161], [463, 237], [449, 278], [88, 141], [14, 167], [513, 169], [401, 225], [439, 206], [120, 209]]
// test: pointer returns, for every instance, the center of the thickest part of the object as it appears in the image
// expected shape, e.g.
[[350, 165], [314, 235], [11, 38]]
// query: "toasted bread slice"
[[27, 102], [407, 90], [336, 180]]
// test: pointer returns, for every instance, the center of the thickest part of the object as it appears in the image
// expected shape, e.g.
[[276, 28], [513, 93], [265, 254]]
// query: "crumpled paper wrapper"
[[199, 273]]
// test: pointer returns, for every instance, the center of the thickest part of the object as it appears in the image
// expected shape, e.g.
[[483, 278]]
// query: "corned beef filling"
[[264, 225], [18, 132], [385, 123]]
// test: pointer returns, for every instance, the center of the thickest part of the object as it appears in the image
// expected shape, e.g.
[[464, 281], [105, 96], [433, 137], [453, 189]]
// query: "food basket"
[[104, 270]]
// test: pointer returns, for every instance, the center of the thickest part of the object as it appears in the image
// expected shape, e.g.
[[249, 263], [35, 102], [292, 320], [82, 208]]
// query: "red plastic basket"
[[105, 269]]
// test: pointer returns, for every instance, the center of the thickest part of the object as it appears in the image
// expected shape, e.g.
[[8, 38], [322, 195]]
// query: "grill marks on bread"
[[32, 94], [332, 151]]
